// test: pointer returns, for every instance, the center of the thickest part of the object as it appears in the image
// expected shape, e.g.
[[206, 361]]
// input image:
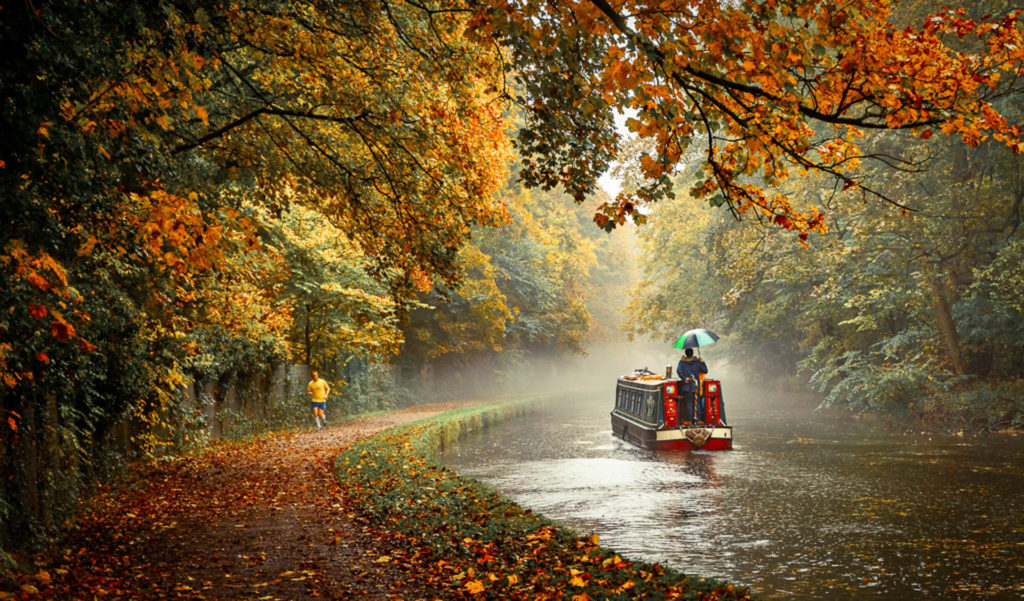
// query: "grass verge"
[[471, 542]]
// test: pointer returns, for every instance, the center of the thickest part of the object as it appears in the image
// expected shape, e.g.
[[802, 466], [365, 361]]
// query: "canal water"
[[801, 508]]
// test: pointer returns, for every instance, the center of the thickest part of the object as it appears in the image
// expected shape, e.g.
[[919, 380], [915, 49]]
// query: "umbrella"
[[695, 339]]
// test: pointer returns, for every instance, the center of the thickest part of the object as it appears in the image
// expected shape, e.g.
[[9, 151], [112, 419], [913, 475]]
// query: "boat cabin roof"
[[645, 382]]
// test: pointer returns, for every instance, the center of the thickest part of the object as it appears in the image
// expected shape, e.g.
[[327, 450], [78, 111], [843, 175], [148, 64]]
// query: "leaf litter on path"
[[266, 519]]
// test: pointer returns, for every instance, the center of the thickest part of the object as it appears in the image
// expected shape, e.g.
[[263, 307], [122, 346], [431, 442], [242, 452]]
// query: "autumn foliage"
[[768, 90], [195, 191], [474, 542], [153, 158]]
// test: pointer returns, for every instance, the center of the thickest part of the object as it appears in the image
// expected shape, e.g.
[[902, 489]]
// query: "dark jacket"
[[691, 367]]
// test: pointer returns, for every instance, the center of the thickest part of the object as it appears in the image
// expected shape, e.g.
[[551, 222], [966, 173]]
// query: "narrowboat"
[[647, 408]]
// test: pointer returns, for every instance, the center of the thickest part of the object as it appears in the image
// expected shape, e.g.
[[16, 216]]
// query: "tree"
[[894, 313], [339, 311], [770, 88], [140, 138], [525, 290]]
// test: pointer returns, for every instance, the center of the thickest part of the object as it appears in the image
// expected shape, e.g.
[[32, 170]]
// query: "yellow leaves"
[[421, 280], [474, 587], [202, 114], [614, 562]]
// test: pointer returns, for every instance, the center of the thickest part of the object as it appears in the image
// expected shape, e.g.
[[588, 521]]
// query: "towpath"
[[261, 520]]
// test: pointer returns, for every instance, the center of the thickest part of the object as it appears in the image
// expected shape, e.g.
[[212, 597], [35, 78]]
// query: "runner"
[[318, 390]]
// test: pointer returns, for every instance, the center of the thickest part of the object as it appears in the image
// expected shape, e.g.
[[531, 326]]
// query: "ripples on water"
[[799, 509]]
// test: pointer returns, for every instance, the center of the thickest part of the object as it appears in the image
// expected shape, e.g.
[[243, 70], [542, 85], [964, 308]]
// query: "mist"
[[747, 392]]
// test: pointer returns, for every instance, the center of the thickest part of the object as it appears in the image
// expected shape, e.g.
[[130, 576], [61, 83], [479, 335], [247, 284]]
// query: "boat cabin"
[[648, 411]]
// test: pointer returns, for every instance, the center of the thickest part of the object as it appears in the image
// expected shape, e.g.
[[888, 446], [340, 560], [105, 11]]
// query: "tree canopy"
[[769, 89]]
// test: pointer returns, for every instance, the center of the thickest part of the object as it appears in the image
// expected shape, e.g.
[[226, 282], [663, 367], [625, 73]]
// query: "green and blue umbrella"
[[695, 339]]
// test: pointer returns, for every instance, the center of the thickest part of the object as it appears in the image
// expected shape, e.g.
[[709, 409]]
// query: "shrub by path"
[[259, 520]]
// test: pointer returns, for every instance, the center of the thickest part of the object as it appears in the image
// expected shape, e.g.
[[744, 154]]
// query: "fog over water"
[[802, 508]]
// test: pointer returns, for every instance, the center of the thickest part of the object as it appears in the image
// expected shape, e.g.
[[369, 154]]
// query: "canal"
[[801, 508]]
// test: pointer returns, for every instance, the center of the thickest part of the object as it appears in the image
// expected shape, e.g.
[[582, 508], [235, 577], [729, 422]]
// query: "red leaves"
[[784, 221], [62, 330], [37, 311]]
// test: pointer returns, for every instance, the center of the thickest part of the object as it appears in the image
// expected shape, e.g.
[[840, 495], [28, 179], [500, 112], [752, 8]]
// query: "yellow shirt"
[[319, 390]]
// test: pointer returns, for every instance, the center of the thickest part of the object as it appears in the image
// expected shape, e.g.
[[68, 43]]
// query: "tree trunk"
[[308, 350], [947, 327]]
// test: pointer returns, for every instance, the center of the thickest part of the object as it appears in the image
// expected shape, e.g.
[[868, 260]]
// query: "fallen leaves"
[[467, 540], [394, 523], [256, 520]]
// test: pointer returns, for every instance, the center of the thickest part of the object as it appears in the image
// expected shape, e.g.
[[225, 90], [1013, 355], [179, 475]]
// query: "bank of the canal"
[[802, 508], [476, 542]]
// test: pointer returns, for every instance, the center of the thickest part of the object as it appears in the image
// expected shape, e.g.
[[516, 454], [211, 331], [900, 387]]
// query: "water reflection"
[[799, 509]]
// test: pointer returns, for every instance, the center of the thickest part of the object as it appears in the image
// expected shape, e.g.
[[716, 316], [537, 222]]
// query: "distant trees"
[[912, 313], [532, 286]]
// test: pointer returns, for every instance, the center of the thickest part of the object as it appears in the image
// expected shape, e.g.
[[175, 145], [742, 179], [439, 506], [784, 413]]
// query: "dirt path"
[[263, 520]]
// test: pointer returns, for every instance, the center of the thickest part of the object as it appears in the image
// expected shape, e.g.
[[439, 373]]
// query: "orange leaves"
[[177, 233], [32, 268], [41, 283], [651, 168], [202, 114], [768, 81], [421, 281]]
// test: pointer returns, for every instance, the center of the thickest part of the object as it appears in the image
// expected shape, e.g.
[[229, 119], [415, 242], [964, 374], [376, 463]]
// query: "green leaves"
[[900, 313]]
